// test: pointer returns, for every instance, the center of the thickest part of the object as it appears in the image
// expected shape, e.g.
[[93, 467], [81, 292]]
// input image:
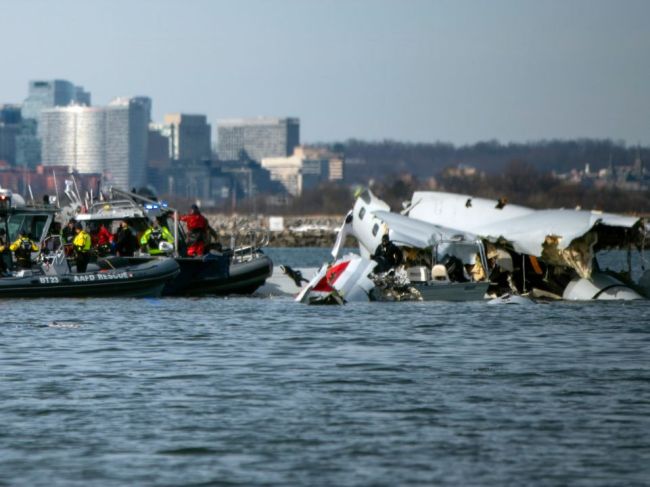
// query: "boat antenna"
[[56, 189], [76, 189], [31, 195]]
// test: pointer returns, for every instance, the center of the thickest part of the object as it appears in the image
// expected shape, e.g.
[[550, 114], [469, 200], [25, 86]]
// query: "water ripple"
[[269, 392]]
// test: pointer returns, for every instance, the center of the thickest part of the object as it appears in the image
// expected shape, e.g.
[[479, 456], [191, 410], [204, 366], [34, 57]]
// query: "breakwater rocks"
[[287, 231]]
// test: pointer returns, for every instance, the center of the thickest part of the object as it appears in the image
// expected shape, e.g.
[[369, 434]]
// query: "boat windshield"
[[34, 225]]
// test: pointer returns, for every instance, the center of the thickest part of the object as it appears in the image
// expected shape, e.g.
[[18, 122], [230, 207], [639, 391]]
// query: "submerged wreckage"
[[458, 248]]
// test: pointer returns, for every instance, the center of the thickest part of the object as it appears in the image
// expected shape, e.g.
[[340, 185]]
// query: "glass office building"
[[257, 138], [111, 140], [42, 95]]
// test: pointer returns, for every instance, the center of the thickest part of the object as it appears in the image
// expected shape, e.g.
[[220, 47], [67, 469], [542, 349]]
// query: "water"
[[246, 391]]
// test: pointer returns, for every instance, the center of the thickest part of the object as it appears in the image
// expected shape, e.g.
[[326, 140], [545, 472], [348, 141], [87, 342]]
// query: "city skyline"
[[418, 71]]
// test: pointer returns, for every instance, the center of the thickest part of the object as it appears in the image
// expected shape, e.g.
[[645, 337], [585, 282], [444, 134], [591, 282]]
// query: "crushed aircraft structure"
[[459, 247]]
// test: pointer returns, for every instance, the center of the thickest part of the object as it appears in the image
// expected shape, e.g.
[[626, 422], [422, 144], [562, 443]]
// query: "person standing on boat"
[[198, 230], [22, 249], [154, 235], [82, 244], [101, 240], [67, 236], [388, 255], [125, 242]]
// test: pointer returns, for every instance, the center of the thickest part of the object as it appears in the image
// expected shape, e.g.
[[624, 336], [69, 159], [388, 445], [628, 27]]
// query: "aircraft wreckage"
[[459, 248]]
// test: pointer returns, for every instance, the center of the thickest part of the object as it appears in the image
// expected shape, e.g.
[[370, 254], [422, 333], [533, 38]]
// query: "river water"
[[250, 391]]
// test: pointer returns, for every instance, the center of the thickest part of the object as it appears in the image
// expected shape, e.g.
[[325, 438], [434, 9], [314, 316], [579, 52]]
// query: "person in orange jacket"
[[198, 231]]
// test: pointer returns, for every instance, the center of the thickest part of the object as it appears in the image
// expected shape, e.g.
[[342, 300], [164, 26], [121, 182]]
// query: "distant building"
[[287, 171], [257, 138], [110, 140], [9, 129], [306, 168], [190, 137], [331, 164], [190, 180], [127, 123], [158, 160], [250, 178], [52, 93], [42, 180], [42, 95], [10, 114]]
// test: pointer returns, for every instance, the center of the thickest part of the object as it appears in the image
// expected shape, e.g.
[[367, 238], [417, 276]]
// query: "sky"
[[409, 70]]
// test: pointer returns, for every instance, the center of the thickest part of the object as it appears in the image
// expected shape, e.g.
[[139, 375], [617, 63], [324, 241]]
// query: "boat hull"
[[216, 275], [452, 291], [238, 278], [143, 280]]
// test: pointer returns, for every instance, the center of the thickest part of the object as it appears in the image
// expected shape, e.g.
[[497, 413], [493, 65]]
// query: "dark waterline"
[[245, 391]]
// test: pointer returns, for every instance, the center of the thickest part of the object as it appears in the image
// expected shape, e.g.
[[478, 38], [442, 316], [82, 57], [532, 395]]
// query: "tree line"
[[521, 173]]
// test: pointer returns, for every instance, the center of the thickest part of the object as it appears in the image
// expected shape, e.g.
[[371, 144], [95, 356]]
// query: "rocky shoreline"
[[295, 231]]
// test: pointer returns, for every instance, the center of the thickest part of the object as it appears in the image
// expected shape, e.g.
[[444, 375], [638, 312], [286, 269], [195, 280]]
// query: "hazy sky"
[[457, 71]]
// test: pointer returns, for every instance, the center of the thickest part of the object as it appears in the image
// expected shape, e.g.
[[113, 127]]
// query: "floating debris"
[[64, 324]]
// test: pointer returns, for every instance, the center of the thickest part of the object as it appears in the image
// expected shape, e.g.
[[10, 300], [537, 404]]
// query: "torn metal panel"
[[561, 237]]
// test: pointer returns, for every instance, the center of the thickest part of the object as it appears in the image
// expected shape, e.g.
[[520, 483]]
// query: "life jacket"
[[82, 242], [24, 250], [195, 236], [155, 237]]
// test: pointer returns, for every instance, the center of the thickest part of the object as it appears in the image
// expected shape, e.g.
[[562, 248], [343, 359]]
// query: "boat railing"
[[251, 242], [111, 207], [52, 256]]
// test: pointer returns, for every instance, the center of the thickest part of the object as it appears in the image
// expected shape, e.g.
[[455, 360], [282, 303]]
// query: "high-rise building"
[[9, 130], [257, 138], [10, 114], [127, 125], [74, 137], [52, 93], [43, 94], [111, 140], [189, 137]]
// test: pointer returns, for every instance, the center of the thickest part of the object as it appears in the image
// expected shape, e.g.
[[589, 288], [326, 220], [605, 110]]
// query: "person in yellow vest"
[[82, 244], [154, 235], [22, 249]]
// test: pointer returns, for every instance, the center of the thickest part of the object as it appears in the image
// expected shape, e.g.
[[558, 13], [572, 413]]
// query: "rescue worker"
[[82, 244], [153, 236], [388, 255], [22, 249], [101, 240], [198, 232], [125, 242], [67, 236]]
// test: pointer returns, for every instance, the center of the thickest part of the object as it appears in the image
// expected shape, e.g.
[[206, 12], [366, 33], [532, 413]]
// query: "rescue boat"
[[235, 270], [53, 275], [112, 277]]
